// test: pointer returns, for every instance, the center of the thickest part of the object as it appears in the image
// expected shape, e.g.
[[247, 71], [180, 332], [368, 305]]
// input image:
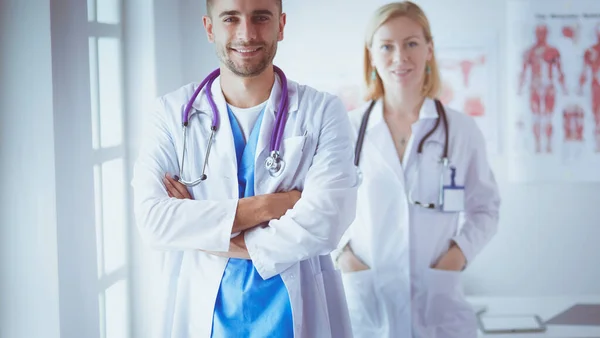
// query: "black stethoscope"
[[444, 159]]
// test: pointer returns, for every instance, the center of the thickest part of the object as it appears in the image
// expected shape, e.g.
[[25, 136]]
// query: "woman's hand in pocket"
[[348, 262], [453, 260]]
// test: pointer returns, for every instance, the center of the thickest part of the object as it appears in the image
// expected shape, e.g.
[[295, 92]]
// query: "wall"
[[140, 89], [74, 176], [199, 57], [49, 282], [28, 228]]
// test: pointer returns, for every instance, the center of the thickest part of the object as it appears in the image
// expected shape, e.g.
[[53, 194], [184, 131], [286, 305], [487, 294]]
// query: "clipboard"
[[491, 324]]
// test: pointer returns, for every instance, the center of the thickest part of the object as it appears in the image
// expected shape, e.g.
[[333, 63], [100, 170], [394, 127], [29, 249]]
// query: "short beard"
[[251, 70]]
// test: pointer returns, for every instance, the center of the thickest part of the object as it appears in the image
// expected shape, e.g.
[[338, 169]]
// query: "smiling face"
[[400, 52], [245, 33]]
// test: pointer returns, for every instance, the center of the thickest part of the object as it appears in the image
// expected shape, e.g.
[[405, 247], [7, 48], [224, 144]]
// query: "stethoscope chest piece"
[[274, 164]]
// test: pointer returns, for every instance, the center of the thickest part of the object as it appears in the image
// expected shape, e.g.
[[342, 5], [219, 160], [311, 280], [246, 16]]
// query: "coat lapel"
[[223, 144], [223, 148], [379, 136], [266, 129], [428, 116]]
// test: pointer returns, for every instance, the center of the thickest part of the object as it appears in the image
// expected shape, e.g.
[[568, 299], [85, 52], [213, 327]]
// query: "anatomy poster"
[[553, 74], [469, 84]]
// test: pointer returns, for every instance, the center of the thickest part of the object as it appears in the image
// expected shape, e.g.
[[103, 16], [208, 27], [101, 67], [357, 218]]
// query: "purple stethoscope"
[[274, 163]]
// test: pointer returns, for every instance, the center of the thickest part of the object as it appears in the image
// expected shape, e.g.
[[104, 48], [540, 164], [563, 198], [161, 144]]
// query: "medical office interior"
[[77, 79]]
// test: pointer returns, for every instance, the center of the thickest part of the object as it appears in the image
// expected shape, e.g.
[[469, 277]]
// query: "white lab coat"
[[401, 295], [318, 152]]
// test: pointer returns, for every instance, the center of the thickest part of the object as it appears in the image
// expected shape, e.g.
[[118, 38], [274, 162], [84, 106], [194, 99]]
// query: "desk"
[[545, 307]]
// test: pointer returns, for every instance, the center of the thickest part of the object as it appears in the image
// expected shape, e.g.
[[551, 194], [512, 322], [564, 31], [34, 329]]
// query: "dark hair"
[[209, 6]]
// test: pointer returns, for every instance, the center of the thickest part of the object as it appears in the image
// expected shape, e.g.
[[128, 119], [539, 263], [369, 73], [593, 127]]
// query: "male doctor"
[[245, 254]]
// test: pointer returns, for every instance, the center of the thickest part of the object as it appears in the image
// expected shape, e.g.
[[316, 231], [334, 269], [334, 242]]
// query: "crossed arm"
[[297, 229], [250, 212]]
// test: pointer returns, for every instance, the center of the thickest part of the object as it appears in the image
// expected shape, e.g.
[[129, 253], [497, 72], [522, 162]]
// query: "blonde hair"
[[432, 82]]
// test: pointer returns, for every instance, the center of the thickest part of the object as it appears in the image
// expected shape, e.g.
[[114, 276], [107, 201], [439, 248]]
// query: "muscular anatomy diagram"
[[573, 123], [465, 66], [447, 93], [591, 62], [543, 59], [571, 32], [474, 106], [573, 117]]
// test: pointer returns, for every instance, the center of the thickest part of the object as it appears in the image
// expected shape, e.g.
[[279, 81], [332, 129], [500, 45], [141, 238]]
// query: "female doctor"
[[403, 255]]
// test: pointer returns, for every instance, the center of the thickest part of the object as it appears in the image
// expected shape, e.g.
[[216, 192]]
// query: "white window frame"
[[97, 30]]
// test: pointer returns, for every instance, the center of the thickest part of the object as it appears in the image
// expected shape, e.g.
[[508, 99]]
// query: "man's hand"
[[237, 248], [453, 260], [237, 245], [176, 189], [280, 203], [274, 205], [348, 262]]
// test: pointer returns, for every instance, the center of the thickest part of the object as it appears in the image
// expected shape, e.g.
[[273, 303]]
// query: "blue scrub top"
[[247, 305]]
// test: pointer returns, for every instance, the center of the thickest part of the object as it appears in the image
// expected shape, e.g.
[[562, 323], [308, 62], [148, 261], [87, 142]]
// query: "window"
[[106, 85]]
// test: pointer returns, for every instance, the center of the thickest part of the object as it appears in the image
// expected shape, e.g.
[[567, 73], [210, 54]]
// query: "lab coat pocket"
[[445, 303], [362, 300], [292, 153], [429, 175]]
